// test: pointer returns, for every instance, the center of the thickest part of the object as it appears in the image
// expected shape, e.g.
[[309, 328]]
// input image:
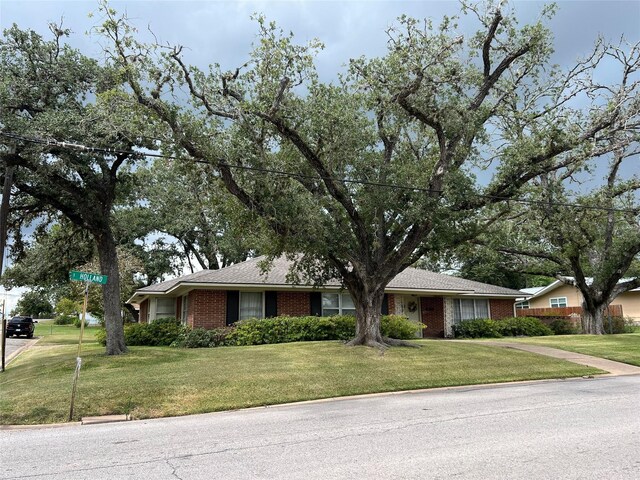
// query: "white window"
[[469, 308], [251, 305], [162, 308], [524, 304], [185, 310], [558, 302], [337, 304]]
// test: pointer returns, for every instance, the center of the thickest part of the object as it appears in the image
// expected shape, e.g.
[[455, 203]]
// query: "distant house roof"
[[249, 275], [552, 286]]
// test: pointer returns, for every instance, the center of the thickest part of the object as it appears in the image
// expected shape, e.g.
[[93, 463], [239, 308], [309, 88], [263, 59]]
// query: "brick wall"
[[144, 309], [207, 309], [432, 315], [294, 304], [500, 308], [391, 303]]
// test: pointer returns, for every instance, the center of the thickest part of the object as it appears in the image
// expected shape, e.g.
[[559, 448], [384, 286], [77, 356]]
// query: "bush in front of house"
[[308, 328], [522, 327], [616, 325], [477, 328], [562, 326], [202, 338], [162, 332]]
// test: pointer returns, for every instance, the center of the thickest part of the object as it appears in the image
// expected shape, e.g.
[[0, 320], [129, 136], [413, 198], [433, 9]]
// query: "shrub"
[[64, 319], [397, 326], [477, 328], [562, 326], [522, 327], [77, 322], [299, 329], [101, 337], [159, 333], [617, 325], [202, 338]]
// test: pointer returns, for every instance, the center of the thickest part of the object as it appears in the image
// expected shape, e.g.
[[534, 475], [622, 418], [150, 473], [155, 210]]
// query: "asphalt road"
[[14, 343], [584, 428]]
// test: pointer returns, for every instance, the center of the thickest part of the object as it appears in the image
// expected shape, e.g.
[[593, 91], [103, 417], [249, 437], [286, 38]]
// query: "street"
[[582, 428], [14, 343]]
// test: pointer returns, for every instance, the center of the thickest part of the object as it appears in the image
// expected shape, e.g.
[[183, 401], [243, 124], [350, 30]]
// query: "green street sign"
[[87, 277]]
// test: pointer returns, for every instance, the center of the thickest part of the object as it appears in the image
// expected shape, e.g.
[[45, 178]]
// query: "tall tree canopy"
[[51, 91], [360, 177], [594, 245]]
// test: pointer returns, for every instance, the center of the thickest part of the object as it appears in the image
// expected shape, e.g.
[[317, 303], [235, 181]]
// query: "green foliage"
[[299, 329], [161, 332], [101, 336], [65, 319], [618, 325], [562, 326], [522, 327], [34, 303], [203, 338], [397, 326], [476, 328]]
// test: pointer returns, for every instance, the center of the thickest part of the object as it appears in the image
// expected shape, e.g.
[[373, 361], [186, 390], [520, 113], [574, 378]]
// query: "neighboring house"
[[559, 295], [215, 298]]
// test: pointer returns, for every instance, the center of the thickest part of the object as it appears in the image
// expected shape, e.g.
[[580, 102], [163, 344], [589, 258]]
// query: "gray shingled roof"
[[249, 273]]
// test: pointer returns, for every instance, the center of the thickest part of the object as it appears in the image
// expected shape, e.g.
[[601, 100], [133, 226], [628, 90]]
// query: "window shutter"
[[270, 304], [385, 305], [316, 304], [233, 306]]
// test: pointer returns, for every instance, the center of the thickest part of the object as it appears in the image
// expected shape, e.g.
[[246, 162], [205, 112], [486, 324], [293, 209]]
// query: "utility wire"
[[283, 173]]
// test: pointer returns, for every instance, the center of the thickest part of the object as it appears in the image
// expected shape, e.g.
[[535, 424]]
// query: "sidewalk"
[[614, 368]]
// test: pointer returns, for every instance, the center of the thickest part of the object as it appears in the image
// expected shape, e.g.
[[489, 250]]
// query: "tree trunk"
[[111, 293], [592, 318], [368, 305]]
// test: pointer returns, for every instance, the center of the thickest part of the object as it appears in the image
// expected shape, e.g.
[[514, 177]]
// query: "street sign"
[[87, 277]]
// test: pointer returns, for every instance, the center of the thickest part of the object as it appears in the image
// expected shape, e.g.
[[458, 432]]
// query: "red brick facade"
[[432, 315], [391, 303], [207, 309], [500, 308], [294, 304]]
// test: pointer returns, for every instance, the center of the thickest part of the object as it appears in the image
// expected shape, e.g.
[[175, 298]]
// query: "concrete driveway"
[[570, 429]]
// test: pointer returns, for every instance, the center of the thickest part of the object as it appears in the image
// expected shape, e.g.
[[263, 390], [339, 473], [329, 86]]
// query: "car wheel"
[[30, 335]]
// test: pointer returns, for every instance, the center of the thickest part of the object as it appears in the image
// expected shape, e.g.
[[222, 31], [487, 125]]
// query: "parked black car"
[[21, 326]]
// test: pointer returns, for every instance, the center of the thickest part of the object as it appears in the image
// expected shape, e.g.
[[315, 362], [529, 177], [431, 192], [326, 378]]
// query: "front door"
[[409, 306]]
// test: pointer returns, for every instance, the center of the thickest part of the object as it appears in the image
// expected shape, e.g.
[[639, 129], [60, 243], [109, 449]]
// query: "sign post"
[[4, 335], [87, 278]]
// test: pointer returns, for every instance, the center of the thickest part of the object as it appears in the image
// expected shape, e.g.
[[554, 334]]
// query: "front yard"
[[163, 381], [621, 348]]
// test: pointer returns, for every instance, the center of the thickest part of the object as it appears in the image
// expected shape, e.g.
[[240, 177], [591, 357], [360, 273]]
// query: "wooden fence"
[[564, 312]]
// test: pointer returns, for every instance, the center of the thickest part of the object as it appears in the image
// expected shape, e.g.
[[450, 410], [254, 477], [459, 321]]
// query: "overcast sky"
[[222, 31]]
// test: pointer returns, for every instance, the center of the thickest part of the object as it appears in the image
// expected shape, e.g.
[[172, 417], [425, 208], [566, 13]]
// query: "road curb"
[[26, 346]]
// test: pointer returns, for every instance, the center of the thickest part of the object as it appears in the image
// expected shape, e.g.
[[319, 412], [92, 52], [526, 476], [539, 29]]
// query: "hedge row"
[[168, 331], [506, 327]]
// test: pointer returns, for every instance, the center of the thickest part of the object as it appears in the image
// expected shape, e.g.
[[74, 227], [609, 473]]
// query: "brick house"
[[215, 298]]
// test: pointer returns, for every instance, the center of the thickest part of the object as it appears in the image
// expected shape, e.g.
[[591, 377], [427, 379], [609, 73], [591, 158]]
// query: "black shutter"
[[316, 304], [270, 304], [233, 306], [385, 305]]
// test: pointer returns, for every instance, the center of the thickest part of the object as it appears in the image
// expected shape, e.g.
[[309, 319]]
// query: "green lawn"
[[622, 348], [62, 334], [162, 381]]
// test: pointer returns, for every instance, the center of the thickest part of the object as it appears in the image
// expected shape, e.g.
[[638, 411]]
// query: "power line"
[[283, 173]]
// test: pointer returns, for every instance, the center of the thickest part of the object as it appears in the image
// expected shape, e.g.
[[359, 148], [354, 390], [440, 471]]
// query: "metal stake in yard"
[[87, 278]]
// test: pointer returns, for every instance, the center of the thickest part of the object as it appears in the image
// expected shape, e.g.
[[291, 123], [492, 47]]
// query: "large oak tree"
[[358, 178], [51, 92]]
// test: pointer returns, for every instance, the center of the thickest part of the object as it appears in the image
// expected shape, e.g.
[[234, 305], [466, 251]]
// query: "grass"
[[621, 348], [162, 381], [62, 334]]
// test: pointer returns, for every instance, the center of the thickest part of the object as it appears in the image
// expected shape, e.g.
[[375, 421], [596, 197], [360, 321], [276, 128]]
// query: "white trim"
[[566, 302]]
